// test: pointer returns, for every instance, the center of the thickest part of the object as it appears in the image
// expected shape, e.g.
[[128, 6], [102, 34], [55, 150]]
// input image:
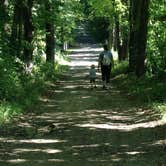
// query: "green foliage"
[[146, 89], [162, 108], [149, 89], [99, 27], [49, 71], [69, 14], [8, 111], [10, 83], [20, 91], [156, 42], [120, 68], [101, 8]]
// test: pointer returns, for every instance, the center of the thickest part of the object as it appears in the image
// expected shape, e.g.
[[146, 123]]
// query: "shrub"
[[10, 84], [120, 68]]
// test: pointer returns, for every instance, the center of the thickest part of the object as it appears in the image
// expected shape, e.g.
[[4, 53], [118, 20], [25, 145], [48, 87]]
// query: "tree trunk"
[[4, 17], [117, 33], [142, 37], [133, 30], [17, 29], [138, 35], [50, 40], [124, 34], [28, 32], [124, 49], [110, 36]]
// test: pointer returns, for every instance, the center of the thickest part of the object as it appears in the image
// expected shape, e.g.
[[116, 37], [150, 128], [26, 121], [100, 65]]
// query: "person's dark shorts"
[[106, 72], [92, 80]]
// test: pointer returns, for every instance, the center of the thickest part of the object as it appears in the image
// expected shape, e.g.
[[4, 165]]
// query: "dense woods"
[[33, 29]]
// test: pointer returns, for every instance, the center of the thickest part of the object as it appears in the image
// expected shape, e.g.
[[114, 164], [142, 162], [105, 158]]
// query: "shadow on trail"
[[78, 126]]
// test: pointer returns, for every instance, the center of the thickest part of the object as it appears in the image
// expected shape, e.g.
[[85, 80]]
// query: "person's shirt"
[[101, 56], [92, 73]]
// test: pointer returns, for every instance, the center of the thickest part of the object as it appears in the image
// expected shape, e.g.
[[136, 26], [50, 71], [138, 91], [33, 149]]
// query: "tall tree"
[[142, 37], [138, 35], [4, 17], [50, 39], [132, 44], [28, 31], [17, 29]]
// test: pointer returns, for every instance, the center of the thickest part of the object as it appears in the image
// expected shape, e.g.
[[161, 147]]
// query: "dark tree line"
[[134, 28], [23, 22], [131, 27]]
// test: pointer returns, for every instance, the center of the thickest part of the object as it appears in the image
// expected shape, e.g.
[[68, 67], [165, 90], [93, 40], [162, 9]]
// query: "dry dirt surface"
[[75, 125]]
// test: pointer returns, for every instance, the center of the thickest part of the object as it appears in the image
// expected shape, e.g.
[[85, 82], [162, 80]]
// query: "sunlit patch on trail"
[[19, 161], [86, 146], [84, 57], [159, 142], [49, 151], [85, 49], [122, 126], [135, 152], [118, 117], [36, 141], [16, 161]]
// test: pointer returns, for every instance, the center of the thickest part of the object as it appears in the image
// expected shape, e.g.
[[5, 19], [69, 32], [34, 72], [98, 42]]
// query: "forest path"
[[77, 126]]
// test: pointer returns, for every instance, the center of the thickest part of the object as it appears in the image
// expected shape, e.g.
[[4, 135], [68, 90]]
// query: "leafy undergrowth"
[[20, 91], [150, 90], [9, 110]]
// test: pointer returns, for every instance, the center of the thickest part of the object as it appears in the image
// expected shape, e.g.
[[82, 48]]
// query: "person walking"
[[92, 76], [106, 63]]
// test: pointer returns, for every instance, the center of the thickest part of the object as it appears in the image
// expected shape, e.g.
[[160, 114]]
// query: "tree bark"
[[138, 35], [17, 30], [110, 36], [124, 49], [28, 32], [132, 39], [117, 33], [4, 17], [50, 40], [142, 37]]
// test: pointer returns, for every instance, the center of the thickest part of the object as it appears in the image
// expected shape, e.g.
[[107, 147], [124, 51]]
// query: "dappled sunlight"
[[159, 142], [77, 125], [122, 126], [49, 151], [118, 117], [25, 124], [36, 141], [56, 160], [84, 57], [83, 63], [86, 97], [134, 152], [46, 100], [16, 161], [43, 117], [58, 91], [85, 49], [86, 146], [21, 161], [71, 86]]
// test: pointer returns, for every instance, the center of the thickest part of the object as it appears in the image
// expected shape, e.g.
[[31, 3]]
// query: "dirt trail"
[[77, 126]]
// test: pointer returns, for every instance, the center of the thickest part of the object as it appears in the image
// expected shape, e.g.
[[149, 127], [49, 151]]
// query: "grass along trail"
[[77, 126]]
